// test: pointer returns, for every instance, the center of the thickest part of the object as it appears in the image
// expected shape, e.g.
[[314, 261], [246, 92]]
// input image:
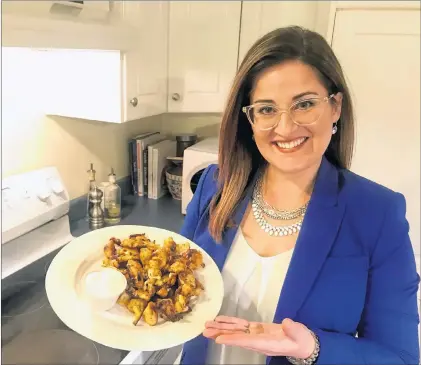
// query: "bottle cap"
[[91, 173], [111, 176]]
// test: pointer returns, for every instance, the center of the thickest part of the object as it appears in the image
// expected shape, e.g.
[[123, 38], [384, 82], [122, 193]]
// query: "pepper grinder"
[[91, 174], [96, 214]]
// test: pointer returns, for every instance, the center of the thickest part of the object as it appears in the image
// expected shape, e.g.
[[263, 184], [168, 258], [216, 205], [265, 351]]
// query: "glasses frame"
[[246, 111]]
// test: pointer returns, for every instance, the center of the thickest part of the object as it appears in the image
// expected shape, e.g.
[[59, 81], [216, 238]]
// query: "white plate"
[[114, 328]]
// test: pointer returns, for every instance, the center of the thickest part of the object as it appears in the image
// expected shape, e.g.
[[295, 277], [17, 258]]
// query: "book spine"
[[133, 165], [150, 170], [145, 171], [139, 183]]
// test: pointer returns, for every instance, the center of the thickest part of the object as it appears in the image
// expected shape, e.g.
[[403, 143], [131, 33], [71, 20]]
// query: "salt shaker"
[[96, 214]]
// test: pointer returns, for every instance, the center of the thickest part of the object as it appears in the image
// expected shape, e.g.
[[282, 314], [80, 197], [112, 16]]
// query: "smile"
[[291, 145]]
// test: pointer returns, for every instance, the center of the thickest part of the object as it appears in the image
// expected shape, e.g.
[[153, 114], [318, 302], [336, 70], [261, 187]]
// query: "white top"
[[252, 287]]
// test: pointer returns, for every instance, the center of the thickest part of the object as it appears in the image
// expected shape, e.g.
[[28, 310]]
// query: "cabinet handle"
[[134, 102], [175, 96]]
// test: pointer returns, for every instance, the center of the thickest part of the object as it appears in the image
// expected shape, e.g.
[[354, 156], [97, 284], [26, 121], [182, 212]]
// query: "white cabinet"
[[144, 88], [261, 17], [112, 85], [203, 52], [379, 49]]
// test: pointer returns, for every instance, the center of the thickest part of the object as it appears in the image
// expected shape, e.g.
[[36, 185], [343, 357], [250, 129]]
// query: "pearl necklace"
[[270, 229]]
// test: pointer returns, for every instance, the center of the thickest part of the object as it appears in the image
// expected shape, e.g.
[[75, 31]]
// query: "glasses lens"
[[307, 111], [264, 116]]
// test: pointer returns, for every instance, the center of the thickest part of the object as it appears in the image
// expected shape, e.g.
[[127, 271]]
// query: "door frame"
[[336, 6]]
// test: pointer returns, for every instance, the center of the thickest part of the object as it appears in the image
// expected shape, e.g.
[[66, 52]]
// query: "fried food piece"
[[137, 306], [195, 259], [135, 273], [170, 279], [180, 303], [163, 292], [154, 273], [152, 245], [132, 243], [162, 256], [149, 287], [126, 254], [145, 255], [186, 290], [124, 299], [177, 267], [140, 294], [169, 245], [135, 269], [150, 315], [182, 247], [187, 277], [110, 250], [167, 311], [138, 240], [110, 263]]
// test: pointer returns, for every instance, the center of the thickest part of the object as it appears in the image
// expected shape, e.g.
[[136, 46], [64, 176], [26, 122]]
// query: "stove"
[[35, 226]]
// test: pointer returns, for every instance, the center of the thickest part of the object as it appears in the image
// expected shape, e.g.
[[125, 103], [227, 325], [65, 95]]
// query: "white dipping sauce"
[[102, 288]]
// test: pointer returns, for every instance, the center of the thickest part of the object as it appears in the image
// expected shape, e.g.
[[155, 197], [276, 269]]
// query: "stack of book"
[[148, 154]]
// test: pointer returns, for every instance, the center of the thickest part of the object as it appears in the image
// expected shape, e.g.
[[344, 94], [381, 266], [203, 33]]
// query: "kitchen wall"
[[204, 125], [33, 141]]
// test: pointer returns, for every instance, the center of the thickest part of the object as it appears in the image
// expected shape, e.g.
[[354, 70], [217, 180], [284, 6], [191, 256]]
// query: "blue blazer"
[[352, 271]]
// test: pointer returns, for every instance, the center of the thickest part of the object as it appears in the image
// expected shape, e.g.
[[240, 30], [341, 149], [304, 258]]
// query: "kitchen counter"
[[162, 213]]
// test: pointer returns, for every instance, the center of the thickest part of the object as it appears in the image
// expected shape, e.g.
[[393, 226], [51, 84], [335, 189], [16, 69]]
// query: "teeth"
[[291, 144]]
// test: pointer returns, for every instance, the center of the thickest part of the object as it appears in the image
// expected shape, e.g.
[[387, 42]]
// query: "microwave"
[[196, 159]]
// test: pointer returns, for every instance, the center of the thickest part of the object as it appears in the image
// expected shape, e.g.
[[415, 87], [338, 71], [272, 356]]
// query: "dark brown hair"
[[239, 157]]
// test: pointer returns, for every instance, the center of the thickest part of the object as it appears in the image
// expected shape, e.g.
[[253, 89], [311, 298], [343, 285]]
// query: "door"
[[203, 50], [380, 53], [145, 62]]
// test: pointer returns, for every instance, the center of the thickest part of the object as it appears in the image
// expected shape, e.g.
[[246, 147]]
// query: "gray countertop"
[[162, 213]]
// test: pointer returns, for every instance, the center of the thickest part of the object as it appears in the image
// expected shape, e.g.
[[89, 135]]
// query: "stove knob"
[[56, 186], [43, 194], [6, 197]]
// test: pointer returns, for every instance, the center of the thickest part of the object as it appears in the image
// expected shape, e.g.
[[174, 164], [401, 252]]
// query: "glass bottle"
[[112, 200], [91, 176]]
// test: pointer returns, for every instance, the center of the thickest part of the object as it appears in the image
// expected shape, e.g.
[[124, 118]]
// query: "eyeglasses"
[[267, 116]]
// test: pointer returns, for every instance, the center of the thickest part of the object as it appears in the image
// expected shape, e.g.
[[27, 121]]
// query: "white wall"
[[204, 125]]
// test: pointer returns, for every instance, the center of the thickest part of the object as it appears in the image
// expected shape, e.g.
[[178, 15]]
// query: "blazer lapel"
[[318, 232]]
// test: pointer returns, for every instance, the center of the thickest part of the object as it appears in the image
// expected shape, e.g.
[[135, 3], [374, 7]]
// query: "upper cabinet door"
[[261, 17], [203, 53], [145, 64], [114, 86]]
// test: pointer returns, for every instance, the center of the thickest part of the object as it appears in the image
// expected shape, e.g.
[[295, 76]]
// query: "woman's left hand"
[[286, 339]]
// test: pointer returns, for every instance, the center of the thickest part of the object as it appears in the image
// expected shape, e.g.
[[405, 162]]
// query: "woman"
[[316, 261]]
